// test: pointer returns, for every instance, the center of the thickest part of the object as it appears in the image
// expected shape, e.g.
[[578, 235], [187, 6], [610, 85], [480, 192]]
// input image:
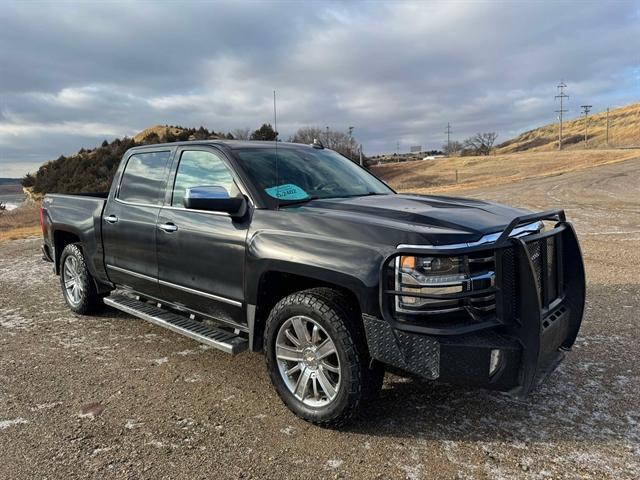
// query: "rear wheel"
[[77, 284], [317, 358]]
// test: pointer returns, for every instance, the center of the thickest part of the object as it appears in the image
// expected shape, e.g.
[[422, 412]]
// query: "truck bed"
[[79, 216]]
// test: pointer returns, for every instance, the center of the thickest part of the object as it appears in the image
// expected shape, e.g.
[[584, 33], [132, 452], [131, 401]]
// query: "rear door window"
[[143, 179]]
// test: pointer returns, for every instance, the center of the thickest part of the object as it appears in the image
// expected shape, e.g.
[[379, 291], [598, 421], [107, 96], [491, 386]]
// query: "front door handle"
[[168, 227], [111, 219]]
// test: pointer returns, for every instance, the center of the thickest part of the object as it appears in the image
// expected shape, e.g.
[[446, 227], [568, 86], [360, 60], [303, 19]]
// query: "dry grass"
[[428, 176], [624, 131], [159, 130], [22, 222]]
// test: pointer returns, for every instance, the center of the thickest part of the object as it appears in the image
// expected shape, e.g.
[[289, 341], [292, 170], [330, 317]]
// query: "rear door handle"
[[168, 227], [111, 219]]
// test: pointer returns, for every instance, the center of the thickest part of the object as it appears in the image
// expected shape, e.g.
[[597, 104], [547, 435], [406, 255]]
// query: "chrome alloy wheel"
[[308, 361], [71, 274]]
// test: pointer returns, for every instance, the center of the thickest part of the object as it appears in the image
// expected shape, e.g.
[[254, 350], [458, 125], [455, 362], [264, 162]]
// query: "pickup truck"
[[295, 251]]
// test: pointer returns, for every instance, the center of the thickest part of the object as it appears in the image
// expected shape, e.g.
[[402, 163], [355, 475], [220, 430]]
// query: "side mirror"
[[215, 199]]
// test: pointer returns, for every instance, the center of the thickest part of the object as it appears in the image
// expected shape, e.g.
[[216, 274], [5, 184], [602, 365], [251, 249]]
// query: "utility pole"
[[585, 110], [328, 146], [448, 132], [361, 163], [607, 127], [561, 95], [350, 129]]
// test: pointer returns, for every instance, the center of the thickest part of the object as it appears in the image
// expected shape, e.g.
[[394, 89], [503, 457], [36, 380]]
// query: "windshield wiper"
[[286, 203], [360, 195]]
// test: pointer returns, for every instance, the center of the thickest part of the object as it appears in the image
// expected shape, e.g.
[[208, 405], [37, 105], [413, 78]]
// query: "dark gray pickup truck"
[[296, 251]]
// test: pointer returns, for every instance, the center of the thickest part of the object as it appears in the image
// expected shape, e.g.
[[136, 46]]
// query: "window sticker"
[[287, 192]]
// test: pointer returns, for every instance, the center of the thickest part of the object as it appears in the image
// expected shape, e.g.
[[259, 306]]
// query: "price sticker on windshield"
[[287, 192]]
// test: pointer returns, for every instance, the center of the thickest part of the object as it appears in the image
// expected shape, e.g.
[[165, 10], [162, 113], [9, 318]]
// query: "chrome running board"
[[228, 342]]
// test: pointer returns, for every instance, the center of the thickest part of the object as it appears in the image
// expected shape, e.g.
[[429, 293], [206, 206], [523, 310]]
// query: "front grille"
[[544, 257], [507, 282]]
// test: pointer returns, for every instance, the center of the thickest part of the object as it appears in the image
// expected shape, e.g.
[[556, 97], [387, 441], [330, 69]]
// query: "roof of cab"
[[231, 144]]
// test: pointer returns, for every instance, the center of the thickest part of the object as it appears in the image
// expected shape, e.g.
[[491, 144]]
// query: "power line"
[[350, 129], [561, 95], [607, 127], [585, 111], [448, 132]]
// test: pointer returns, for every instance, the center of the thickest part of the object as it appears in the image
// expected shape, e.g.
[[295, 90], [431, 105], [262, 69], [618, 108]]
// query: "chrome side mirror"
[[215, 199]]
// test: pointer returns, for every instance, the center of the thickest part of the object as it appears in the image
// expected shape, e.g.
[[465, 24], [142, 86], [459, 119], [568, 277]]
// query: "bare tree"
[[241, 133], [307, 135], [341, 142], [452, 147], [480, 143]]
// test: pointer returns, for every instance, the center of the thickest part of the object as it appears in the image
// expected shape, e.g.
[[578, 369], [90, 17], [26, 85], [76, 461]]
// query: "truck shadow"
[[416, 409]]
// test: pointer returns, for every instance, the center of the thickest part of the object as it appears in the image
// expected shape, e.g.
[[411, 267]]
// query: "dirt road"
[[164, 407]]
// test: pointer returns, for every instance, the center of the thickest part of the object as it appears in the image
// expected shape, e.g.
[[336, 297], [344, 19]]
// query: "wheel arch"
[[62, 238], [275, 284], [66, 236]]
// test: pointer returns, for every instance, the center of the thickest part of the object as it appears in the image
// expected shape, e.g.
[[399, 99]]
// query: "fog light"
[[494, 361]]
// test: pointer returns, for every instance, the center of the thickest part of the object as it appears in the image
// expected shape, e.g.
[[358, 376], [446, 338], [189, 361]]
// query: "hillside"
[[91, 170], [624, 131], [429, 176]]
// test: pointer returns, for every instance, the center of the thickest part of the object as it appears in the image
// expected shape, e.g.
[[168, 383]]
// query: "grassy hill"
[[624, 131], [429, 176]]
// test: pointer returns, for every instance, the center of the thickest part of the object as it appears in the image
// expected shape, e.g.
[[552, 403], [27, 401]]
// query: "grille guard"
[[527, 316]]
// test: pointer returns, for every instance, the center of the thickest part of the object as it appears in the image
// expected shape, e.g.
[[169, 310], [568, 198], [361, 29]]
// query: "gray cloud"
[[72, 75]]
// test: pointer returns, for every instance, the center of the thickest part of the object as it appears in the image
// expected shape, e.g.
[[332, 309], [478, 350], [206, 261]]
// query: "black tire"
[[336, 314], [88, 300]]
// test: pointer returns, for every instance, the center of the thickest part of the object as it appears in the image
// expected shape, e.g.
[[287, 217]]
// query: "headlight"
[[436, 276]]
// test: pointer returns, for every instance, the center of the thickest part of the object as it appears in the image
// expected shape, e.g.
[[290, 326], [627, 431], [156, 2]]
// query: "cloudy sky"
[[73, 74]]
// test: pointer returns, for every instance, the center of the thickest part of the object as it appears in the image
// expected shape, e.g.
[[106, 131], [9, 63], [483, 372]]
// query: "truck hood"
[[441, 219]]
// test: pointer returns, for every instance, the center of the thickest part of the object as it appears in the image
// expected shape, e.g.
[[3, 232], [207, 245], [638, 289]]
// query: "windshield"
[[305, 174]]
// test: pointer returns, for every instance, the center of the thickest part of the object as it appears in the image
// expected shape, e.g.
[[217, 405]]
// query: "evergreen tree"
[[265, 132]]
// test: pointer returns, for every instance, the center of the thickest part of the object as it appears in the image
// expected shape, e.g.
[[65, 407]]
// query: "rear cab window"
[[144, 177]]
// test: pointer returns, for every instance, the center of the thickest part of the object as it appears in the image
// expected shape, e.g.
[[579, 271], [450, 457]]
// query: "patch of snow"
[[334, 463], [160, 361], [157, 444], [185, 422], [98, 450], [45, 406], [184, 353], [192, 379], [289, 430], [131, 424], [10, 319], [412, 472], [4, 424]]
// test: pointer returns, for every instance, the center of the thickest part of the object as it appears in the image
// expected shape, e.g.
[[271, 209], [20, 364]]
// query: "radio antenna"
[[275, 128]]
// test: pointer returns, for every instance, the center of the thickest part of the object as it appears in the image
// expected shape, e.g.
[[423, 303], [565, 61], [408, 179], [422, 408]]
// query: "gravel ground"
[[112, 396]]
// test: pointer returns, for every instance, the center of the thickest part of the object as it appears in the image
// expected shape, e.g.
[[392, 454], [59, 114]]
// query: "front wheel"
[[316, 357], [77, 284]]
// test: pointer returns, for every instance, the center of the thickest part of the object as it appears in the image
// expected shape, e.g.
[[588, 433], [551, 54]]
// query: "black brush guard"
[[540, 295]]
